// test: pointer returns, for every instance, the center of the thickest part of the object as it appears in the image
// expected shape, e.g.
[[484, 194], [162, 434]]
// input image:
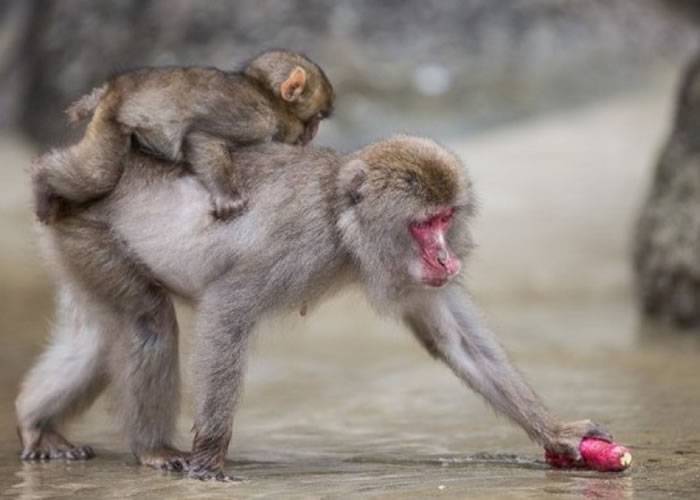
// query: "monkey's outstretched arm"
[[449, 327]]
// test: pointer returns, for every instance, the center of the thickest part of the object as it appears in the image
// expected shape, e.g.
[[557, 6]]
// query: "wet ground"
[[343, 404]]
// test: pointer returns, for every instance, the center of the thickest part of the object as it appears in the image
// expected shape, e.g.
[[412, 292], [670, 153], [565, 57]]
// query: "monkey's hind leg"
[[211, 161], [66, 380], [146, 368]]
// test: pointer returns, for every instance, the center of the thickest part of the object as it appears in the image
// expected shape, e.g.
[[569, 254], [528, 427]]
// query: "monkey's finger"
[[225, 209], [598, 431], [227, 479], [29, 455], [174, 465]]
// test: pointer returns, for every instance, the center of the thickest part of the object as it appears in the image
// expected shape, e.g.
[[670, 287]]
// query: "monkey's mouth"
[[438, 263], [439, 271]]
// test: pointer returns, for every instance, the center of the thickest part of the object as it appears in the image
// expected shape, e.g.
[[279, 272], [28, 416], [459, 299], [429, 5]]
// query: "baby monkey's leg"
[[212, 163], [84, 171]]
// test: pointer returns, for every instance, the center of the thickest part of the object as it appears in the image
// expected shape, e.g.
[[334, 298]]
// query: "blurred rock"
[[473, 61], [667, 247]]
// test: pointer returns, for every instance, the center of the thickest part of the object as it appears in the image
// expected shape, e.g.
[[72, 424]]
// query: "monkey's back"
[[161, 105], [163, 214]]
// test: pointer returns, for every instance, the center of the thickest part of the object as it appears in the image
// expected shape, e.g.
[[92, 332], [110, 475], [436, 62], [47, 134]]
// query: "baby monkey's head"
[[299, 83]]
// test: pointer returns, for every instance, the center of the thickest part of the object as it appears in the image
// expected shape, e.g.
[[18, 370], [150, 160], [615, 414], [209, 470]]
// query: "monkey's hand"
[[227, 206], [568, 438]]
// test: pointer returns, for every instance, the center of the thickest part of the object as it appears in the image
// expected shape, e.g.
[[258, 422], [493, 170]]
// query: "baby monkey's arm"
[[212, 162]]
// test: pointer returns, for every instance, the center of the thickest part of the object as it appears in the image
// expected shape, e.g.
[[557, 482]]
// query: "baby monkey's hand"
[[228, 206]]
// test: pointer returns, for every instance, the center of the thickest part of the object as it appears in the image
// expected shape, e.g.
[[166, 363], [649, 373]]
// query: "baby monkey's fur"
[[186, 114]]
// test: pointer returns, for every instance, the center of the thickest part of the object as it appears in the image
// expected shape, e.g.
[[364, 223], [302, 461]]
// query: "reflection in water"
[[589, 485]]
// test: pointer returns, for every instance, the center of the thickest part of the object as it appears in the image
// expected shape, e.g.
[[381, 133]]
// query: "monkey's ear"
[[353, 176], [293, 86]]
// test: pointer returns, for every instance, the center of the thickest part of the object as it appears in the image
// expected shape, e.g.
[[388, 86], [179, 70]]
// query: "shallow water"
[[343, 404], [340, 409]]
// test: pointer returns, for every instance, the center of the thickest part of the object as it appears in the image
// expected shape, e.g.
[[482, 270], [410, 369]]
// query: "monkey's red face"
[[437, 262]]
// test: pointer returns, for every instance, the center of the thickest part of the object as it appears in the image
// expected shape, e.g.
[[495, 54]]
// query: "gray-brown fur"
[[316, 221], [186, 114], [667, 244]]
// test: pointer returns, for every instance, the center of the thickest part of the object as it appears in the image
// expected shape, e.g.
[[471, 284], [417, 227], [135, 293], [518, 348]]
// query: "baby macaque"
[[188, 114]]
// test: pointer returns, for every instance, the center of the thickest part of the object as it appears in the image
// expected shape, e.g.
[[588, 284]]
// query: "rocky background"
[[429, 66]]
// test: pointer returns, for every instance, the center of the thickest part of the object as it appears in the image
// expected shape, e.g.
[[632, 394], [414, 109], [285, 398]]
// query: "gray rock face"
[[478, 61], [667, 246]]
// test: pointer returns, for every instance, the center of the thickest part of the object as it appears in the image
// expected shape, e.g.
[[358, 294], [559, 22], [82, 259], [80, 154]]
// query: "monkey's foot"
[[50, 445], [226, 207], [209, 474], [48, 206], [569, 435], [166, 459]]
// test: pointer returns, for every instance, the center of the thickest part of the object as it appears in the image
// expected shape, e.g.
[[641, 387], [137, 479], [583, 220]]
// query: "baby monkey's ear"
[[293, 86]]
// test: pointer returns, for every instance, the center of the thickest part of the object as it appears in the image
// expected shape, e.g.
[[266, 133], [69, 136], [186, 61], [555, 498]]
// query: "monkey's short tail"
[[84, 107]]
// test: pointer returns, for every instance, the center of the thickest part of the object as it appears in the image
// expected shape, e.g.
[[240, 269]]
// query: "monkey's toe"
[[51, 453], [34, 455], [77, 453], [175, 464], [226, 208], [166, 459], [207, 474]]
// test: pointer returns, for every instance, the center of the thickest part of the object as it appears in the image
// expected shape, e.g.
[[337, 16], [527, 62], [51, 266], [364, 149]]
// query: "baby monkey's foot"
[[166, 459], [48, 206], [48, 445], [226, 207]]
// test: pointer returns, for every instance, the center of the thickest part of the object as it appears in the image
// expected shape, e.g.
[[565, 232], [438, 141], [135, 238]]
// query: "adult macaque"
[[191, 114], [392, 217]]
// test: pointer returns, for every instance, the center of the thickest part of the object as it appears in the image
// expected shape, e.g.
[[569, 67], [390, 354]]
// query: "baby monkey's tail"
[[85, 106]]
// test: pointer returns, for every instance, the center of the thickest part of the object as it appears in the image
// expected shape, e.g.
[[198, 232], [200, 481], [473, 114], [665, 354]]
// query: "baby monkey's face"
[[303, 88], [309, 96], [311, 124]]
